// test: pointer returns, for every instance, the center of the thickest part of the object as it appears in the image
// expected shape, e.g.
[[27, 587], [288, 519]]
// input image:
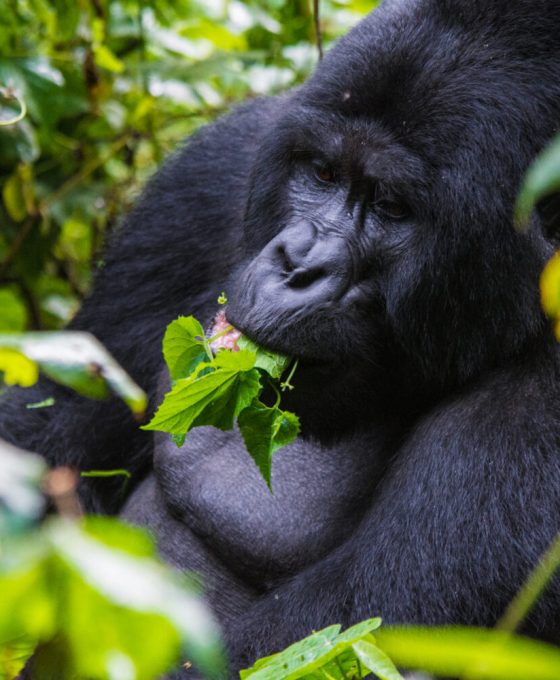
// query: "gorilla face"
[[379, 225], [314, 288]]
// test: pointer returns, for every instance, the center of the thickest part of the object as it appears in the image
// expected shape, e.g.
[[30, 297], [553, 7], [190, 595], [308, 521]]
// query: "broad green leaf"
[[264, 431], [17, 369], [325, 654], [21, 501], [183, 347], [376, 660], [214, 398], [542, 179], [274, 364], [298, 659], [478, 654], [79, 361], [357, 632]]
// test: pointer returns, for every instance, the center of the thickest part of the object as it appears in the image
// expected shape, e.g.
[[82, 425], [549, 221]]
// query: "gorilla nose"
[[304, 258]]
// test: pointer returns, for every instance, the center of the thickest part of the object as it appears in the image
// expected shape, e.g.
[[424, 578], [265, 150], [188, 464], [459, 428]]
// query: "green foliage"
[[90, 597], [329, 655], [217, 390], [74, 359], [107, 89]]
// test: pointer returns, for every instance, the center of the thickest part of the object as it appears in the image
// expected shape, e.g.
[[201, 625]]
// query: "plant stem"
[[531, 590]]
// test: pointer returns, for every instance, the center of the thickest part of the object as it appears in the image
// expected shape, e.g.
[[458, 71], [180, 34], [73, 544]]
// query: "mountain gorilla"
[[363, 224]]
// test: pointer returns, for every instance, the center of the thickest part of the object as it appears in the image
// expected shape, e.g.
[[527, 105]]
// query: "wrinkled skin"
[[362, 223]]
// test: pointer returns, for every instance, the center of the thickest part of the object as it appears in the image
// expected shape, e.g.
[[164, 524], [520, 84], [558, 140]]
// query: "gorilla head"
[[379, 222]]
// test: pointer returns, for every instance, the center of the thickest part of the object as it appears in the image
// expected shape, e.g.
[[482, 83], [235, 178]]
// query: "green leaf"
[[79, 361], [274, 364], [358, 631], [45, 403], [14, 200], [298, 659], [183, 347], [376, 660], [107, 59], [470, 652], [214, 398], [264, 431], [17, 368], [542, 179], [58, 587], [325, 654]]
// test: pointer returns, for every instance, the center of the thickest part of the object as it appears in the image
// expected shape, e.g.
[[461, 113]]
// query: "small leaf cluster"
[[329, 655], [220, 389]]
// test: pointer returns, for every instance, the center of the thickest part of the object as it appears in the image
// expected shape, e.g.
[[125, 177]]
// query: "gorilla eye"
[[325, 173], [392, 209]]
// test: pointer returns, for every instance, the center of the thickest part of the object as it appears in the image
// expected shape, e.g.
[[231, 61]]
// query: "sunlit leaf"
[[17, 368], [470, 652]]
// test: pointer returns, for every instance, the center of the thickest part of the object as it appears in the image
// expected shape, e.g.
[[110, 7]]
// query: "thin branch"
[[533, 587], [17, 243], [317, 21], [8, 94]]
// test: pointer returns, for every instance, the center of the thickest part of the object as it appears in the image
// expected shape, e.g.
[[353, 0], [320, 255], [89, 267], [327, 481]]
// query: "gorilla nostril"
[[284, 260], [302, 278]]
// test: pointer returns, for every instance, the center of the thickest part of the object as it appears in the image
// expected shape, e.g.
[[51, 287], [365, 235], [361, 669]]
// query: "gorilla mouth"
[[227, 337]]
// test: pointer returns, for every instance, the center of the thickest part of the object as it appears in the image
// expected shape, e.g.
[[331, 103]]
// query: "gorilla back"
[[362, 223]]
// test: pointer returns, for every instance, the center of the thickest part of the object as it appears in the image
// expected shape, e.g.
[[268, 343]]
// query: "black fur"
[[364, 224]]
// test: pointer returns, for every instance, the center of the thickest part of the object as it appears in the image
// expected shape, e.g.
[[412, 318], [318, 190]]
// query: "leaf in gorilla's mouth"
[[217, 379]]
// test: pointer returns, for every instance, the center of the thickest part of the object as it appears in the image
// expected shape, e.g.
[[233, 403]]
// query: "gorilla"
[[362, 223]]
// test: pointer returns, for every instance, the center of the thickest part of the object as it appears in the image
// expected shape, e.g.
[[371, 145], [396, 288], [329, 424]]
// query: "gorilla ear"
[[548, 210]]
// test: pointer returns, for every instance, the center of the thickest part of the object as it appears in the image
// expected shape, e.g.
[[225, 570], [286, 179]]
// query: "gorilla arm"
[[469, 504]]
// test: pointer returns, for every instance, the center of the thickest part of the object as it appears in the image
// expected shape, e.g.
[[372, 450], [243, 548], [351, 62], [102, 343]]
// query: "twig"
[[531, 590], [19, 240], [61, 485], [317, 21], [9, 94]]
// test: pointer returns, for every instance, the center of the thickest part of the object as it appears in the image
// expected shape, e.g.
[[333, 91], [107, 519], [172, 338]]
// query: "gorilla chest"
[[318, 495]]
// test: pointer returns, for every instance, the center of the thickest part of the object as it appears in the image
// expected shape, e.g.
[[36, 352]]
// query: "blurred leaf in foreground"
[[478, 654], [21, 501], [71, 358], [103, 612], [542, 179]]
